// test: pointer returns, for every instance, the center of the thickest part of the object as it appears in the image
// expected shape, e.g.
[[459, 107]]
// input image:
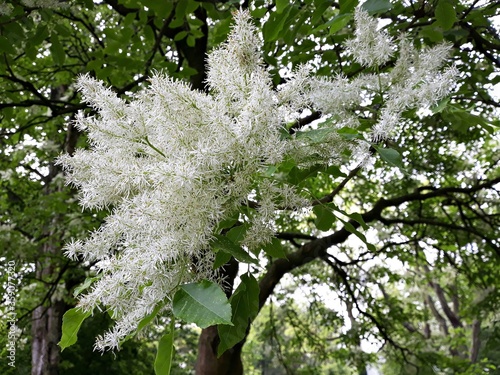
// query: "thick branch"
[[318, 248], [476, 342]]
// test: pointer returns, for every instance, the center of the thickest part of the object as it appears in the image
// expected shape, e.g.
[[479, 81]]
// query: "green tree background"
[[421, 286]]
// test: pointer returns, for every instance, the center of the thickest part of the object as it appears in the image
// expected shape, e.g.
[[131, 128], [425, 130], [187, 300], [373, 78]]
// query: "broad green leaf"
[[57, 50], [237, 234], [161, 8], [181, 9], [339, 22], [445, 15], [221, 258], [377, 6], [441, 105], [204, 304], [320, 8], [245, 306], [88, 282], [275, 249], [315, 135], [347, 6], [14, 32], [62, 30], [190, 41], [432, 33], [221, 29], [357, 217], [41, 33], [227, 223], [324, 217], [72, 321], [349, 133], [180, 35], [298, 176], [272, 28], [390, 156], [6, 45], [163, 360], [148, 319], [281, 5], [335, 171], [335, 24], [258, 12], [222, 243], [350, 228], [462, 120]]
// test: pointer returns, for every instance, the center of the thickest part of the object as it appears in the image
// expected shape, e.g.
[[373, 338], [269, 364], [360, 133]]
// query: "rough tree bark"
[[46, 319]]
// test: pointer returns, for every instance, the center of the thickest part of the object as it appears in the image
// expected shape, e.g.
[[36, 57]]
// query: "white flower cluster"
[[417, 80], [173, 162], [370, 47]]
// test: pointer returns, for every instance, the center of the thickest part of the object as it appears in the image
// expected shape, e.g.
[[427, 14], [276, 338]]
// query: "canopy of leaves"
[[402, 253]]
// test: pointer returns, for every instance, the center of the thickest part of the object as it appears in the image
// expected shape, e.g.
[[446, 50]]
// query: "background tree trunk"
[[46, 328], [208, 364]]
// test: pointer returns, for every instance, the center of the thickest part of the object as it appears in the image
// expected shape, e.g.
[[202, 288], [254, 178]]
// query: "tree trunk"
[[230, 362], [208, 364], [45, 330], [46, 319]]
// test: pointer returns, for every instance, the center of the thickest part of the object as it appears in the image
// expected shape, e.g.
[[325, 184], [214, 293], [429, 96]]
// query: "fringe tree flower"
[[416, 81], [370, 47], [170, 165]]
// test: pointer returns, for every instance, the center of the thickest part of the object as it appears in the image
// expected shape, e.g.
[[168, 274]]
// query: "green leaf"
[[6, 46], [245, 306], [298, 176], [222, 243], [445, 15], [441, 105], [281, 5], [57, 50], [221, 258], [275, 249], [339, 22], [324, 217], [180, 35], [181, 9], [72, 321], [163, 360], [148, 319], [461, 120], [349, 133], [315, 135], [62, 30], [335, 171], [335, 24], [204, 304], [237, 234], [272, 28], [390, 156], [347, 6], [88, 282], [357, 217], [258, 12], [41, 33], [376, 6], [432, 33], [191, 41], [350, 228], [227, 223]]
